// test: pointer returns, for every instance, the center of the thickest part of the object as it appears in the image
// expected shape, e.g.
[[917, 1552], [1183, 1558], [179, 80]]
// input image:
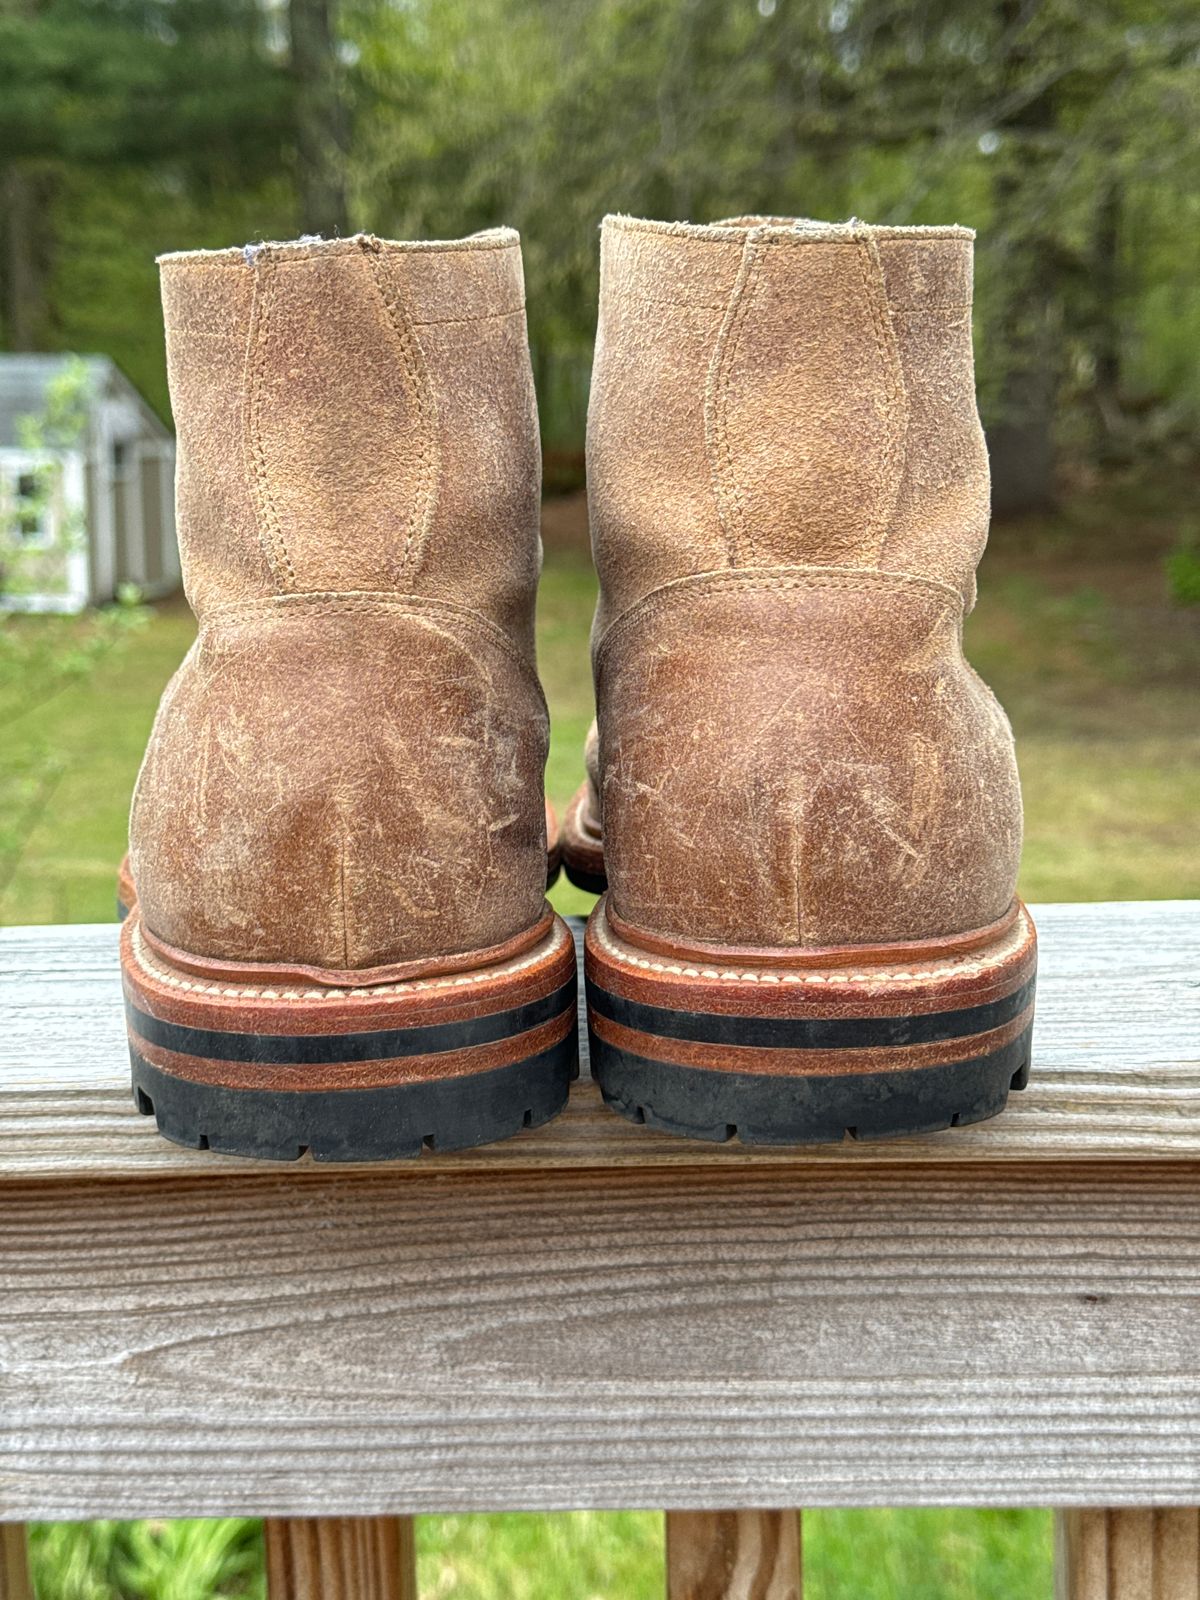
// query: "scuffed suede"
[[788, 492], [347, 769]]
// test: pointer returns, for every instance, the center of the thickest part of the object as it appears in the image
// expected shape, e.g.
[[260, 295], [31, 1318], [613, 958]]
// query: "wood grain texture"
[[733, 1555], [374, 1344], [1128, 1554], [15, 1582], [1116, 1067], [340, 1558]]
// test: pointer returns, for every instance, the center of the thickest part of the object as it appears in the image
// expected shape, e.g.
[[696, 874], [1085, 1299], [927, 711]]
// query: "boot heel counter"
[[347, 782], [803, 758]]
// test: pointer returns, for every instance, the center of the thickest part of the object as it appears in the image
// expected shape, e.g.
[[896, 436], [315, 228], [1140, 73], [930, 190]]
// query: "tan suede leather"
[[347, 769], [788, 491]]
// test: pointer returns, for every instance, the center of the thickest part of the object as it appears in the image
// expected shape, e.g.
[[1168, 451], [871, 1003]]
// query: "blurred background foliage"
[[1065, 130]]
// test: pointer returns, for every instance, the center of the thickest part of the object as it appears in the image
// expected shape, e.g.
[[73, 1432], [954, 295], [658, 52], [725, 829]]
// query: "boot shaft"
[[356, 416], [788, 492], [804, 800], [769, 393], [346, 771]]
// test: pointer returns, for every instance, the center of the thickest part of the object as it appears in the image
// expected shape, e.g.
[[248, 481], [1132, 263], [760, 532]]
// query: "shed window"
[[31, 508]]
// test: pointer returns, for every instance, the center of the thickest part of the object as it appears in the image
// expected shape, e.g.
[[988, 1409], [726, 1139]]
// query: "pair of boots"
[[802, 801]]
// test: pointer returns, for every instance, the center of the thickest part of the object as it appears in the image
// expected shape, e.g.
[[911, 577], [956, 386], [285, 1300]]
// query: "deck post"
[[340, 1558], [733, 1555], [1128, 1554], [15, 1582]]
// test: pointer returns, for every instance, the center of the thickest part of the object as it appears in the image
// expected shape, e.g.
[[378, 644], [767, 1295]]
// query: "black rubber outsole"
[[392, 1123], [770, 1109]]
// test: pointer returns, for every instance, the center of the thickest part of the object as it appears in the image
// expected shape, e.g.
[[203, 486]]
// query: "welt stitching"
[[947, 967], [414, 366], [868, 580], [274, 547]]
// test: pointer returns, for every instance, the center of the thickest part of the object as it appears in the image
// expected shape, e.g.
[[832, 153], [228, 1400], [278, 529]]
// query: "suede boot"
[[803, 799], [340, 940]]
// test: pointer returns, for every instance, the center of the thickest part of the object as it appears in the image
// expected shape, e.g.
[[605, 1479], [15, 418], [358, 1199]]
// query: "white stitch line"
[[762, 579], [266, 513], [950, 967], [373, 602], [558, 935]]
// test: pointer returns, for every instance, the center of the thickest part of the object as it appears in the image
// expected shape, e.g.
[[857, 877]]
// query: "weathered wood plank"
[[1116, 1066], [733, 1555], [734, 1337], [15, 1582], [340, 1558], [1128, 1554]]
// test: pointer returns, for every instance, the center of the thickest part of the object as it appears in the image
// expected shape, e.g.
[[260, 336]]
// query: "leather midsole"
[[176, 998], [904, 986]]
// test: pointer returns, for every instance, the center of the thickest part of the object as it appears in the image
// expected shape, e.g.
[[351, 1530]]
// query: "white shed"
[[87, 500]]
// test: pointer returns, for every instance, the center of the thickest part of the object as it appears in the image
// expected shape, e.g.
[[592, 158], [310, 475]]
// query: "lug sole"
[[790, 1047], [392, 1123], [354, 1074]]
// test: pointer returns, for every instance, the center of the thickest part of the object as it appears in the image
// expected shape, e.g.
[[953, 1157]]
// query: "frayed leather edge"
[[798, 230], [305, 249]]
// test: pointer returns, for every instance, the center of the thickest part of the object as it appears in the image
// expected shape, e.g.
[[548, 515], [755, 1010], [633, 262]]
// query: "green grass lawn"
[[1098, 670]]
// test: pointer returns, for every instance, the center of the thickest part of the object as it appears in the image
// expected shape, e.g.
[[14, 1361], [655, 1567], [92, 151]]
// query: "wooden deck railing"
[[596, 1315]]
